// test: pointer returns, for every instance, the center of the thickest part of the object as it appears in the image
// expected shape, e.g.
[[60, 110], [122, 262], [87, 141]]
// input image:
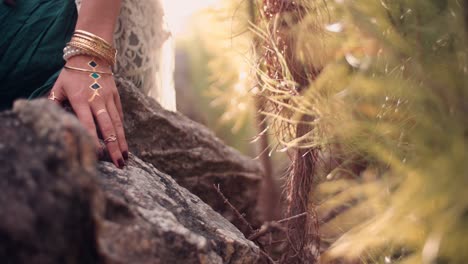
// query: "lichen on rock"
[[59, 205]]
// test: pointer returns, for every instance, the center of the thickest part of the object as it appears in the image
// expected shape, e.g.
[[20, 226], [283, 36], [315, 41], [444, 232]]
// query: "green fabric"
[[32, 37]]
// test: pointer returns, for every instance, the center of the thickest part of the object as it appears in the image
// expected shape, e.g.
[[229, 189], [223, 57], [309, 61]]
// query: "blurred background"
[[368, 100], [205, 40]]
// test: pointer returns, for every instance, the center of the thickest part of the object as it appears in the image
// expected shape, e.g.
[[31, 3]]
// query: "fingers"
[[118, 105], [95, 108], [56, 94], [118, 126], [108, 132], [83, 112]]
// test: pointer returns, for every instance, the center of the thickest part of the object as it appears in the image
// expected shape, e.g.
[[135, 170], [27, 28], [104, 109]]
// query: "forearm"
[[99, 17]]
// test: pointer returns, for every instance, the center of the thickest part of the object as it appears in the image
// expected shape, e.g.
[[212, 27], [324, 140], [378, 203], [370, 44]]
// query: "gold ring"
[[111, 138], [102, 111], [53, 97]]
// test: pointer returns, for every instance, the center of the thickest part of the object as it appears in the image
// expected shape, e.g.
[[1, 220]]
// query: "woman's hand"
[[96, 109]]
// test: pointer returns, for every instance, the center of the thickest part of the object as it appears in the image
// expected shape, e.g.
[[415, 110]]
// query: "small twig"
[[267, 256], [238, 214], [291, 218], [266, 228], [268, 225]]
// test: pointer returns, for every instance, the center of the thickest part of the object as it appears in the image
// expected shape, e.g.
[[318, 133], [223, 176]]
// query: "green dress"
[[32, 37]]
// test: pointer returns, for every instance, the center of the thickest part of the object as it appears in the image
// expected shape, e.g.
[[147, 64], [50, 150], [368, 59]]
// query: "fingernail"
[[125, 155], [121, 163]]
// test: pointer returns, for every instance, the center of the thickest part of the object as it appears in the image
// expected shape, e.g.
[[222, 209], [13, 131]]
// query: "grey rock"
[[47, 186], [165, 220], [191, 154], [60, 206]]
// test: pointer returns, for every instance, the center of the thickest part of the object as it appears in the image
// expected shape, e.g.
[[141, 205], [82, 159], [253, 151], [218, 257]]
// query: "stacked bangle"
[[86, 43], [92, 37]]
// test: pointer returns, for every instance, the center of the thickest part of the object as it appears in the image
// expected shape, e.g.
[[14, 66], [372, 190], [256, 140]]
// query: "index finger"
[[83, 113]]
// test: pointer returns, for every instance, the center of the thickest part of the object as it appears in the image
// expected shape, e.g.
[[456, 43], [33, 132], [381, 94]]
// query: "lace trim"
[[139, 37]]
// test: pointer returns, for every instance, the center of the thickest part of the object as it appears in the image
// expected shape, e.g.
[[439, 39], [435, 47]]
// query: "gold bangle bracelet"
[[87, 48], [102, 42], [95, 50], [86, 33], [106, 56], [85, 70], [97, 43], [102, 49], [108, 50], [92, 43]]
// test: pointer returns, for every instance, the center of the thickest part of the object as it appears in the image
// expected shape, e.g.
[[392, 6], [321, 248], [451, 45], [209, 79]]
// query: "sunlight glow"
[[178, 12]]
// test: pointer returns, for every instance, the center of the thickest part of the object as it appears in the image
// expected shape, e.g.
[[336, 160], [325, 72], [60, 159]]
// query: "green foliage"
[[392, 93]]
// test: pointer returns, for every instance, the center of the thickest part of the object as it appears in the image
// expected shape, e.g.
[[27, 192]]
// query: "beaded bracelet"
[[69, 52]]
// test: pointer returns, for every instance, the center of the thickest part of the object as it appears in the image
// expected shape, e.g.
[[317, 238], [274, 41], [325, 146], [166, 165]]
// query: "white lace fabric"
[[139, 37]]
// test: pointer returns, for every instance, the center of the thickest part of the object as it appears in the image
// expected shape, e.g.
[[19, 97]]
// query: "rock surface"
[[48, 191], [59, 206], [191, 154]]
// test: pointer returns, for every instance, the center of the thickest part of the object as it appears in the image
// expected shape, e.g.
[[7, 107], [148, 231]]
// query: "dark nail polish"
[[100, 153], [125, 155], [121, 163]]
